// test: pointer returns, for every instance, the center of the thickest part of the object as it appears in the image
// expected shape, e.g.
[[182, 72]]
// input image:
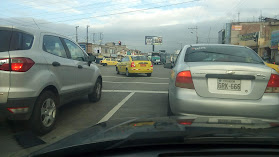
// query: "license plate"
[[227, 84], [143, 65]]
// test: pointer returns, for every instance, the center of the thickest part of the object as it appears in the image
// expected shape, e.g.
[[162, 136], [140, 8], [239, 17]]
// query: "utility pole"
[[101, 37], [238, 16], [87, 38], [208, 40], [196, 29], [77, 34]]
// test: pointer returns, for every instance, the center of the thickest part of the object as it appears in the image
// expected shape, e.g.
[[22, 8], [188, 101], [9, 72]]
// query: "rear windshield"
[[139, 58], [10, 41], [221, 54]]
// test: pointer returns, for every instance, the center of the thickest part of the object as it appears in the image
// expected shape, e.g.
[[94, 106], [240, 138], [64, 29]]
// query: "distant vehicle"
[[225, 79], [108, 61], [135, 65], [155, 58], [40, 72]]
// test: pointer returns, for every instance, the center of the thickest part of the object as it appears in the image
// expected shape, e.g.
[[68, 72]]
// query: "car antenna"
[[35, 23]]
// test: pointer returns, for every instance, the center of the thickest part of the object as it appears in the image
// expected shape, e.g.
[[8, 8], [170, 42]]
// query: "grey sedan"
[[225, 80]]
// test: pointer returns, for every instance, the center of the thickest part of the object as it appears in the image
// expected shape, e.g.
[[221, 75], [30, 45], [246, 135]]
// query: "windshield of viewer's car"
[[91, 71], [221, 54]]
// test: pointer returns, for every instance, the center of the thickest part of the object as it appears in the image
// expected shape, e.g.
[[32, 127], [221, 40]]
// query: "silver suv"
[[39, 72]]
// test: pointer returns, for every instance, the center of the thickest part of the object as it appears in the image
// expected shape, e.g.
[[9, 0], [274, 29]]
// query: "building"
[[261, 36], [108, 50]]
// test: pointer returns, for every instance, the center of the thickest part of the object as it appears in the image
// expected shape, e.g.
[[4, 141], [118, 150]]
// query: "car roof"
[[33, 31], [226, 45]]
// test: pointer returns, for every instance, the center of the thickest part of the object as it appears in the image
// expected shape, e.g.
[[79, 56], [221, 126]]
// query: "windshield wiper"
[[259, 62]]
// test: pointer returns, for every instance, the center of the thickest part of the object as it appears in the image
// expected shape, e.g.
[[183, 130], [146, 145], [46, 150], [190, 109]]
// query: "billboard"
[[153, 40], [236, 27], [83, 46]]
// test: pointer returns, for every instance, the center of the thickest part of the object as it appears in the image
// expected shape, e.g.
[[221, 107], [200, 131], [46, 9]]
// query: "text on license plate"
[[143, 65], [227, 84]]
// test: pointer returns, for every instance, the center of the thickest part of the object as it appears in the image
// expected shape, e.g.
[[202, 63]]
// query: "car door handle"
[[56, 64], [80, 66]]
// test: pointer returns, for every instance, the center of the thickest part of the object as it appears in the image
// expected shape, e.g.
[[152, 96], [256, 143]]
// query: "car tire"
[[169, 112], [148, 75], [43, 122], [117, 71], [96, 95], [105, 64], [127, 73]]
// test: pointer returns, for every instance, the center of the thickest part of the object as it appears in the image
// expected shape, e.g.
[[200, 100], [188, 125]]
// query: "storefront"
[[274, 45]]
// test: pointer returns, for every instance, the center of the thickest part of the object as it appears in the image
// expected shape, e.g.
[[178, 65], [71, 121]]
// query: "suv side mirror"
[[168, 65], [91, 59]]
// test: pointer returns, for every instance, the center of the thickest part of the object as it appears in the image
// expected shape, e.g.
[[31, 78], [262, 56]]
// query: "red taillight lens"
[[184, 80], [185, 121], [133, 64], [273, 84], [17, 64], [151, 65]]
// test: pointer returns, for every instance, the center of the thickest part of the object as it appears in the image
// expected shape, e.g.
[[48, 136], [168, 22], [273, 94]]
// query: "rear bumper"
[[141, 70], [187, 101], [17, 103]]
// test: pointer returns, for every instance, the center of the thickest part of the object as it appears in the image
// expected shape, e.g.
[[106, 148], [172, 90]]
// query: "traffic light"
[[119, 42]]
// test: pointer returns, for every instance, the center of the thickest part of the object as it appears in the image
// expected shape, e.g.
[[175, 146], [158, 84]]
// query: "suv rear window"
[[221, 54], [10, 41], [139, 58]]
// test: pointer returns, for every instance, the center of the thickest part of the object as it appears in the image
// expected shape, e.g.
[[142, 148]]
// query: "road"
[[136, 96]]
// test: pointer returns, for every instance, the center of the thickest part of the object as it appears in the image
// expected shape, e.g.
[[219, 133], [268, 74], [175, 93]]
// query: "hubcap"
[[48, 112], [98, 90]]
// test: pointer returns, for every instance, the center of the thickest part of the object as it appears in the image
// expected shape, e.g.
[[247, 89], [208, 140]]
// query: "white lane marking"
[[112, 111], [136, 77], [134, 82], [135, 91]]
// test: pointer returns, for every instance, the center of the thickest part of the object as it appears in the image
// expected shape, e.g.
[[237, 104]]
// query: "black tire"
[[169, 112], [117, 71], [148, 75], [127, 73], [43, 123], [105, 64], [96, 95]]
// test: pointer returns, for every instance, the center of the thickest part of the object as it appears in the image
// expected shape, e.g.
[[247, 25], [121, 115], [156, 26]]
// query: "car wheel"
[[169, 112], [149, 74], [44, 114], [95, 96], [117, 71], [127, 73]]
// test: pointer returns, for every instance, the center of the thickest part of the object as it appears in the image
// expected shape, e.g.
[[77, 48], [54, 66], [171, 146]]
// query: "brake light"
[[184, 80], [273, 84], [19, 64], [133, 64], [185, 121], [151, 65]]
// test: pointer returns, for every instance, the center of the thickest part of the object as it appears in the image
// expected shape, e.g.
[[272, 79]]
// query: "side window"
[[123, 60], [107, 59], [53, 45], [75, 51], [21, 41], [112, 59]]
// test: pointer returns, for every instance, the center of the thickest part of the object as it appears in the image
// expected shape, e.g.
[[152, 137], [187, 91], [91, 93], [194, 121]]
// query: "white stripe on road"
[[134, 91], [112, 111], [134, 82], [136, 77]]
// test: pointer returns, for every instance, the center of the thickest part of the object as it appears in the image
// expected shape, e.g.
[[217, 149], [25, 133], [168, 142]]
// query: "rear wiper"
[[225, 54]]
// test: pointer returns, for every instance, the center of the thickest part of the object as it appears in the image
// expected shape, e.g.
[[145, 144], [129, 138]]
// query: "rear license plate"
[[226, 84], [143, 65]]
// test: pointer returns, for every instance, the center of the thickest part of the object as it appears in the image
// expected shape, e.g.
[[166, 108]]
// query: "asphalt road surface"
[[136, 96]]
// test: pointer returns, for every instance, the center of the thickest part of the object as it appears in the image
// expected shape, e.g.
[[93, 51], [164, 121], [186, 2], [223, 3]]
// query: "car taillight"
[[19, 64], [185, 121], [273, 84], [184, 80], [151, 65], [133, 64]]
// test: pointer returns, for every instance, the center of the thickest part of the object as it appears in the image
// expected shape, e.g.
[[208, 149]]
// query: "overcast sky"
[[130, 21]]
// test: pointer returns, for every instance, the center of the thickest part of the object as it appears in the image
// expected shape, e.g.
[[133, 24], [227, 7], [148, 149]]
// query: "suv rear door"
[[5, 38], [59, 64]]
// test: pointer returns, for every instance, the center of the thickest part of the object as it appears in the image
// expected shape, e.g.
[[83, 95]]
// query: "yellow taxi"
[[138, 64], [108, 61], [273, 66]]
